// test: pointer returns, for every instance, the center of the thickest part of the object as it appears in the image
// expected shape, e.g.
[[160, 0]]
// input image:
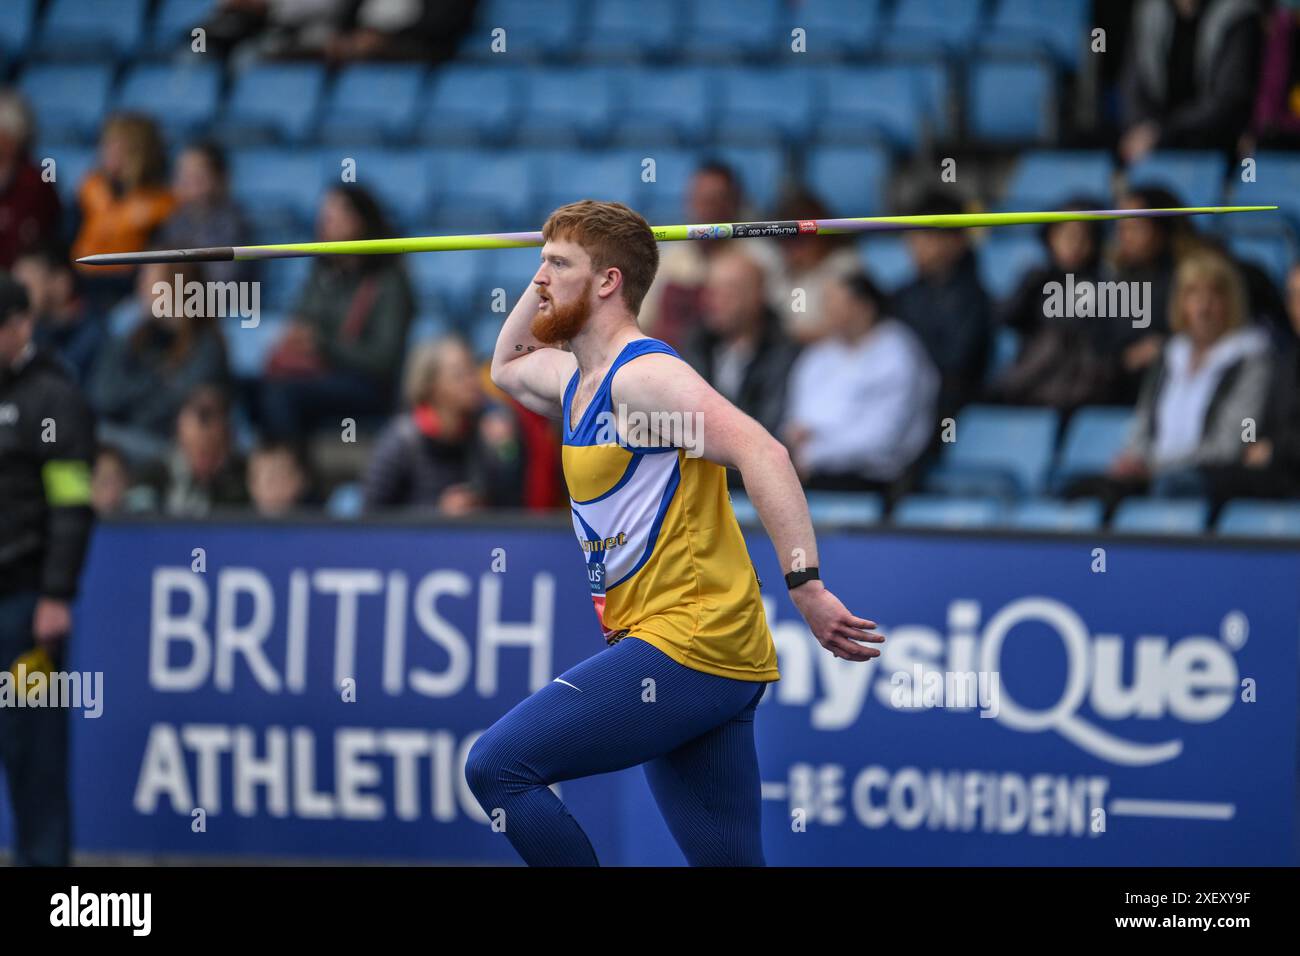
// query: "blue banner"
[[312, 691]]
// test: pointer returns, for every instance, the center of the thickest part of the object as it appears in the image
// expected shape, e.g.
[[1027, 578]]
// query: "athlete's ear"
[[611, 280]]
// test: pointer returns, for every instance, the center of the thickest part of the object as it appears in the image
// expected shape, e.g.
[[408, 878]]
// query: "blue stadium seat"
[[625, 30], [850, 181], [373, 101], [1196, 178], [247, 348], [664, 199], [17, 23], [1005, 259], [567, 105], [933, 27], [280, 190], [182, 99], [1006, 346], [71, 164], [283, 281], [1277, 183], [427, 327], [568, 176], [483, 332], [731, 29], [471, 105], [1047, 179], [1094, 436], [765, 105], [448, 281], [507, 269], [550, 34], [1011, 102], [401, 179], [479, 190], [762, 172], [1049, 514], [838, 28], [1273, 254], [665, 105], [1061, 30], [274, 101], [69, 101], [940, 511], [1160, 516], [883, 102], [175, 20], [998, 450], [103, 30], [845, 508], [346, 501], [1270, 519], [888, 261]]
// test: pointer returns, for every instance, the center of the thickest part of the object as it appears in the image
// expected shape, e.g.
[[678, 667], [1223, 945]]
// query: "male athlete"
[[675, 591]]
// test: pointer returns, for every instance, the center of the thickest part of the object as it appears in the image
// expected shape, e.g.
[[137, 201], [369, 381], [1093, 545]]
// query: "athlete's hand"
[[835, 628]]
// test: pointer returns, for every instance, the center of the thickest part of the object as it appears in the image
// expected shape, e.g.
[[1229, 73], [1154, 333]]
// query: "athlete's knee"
[[495, 766]]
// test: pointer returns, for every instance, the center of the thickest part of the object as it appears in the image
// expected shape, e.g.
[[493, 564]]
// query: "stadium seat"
[[933, 27], [940, 511], [531, 34], [845, 508], [1060, 31], [1094, 436], [1011, 101], [851, 181], [270, 102], [71, 164], [174, 21], [427, 327], [1005, 259], [69, 101], [470, 105], [283, 281], [896, 103], [888, 261], [569, 106], [372, 101], [665, 105], [1271, 519], [346, 501], [762, 172], [567, 176], [1006, 346], [280, 190], [626, 30], [401, 179], [181, 99], [506, 269], [998, 450], [1047, 179], [480, 191], [103, 30], [1273, 254], [1049, 514], [247, 348], [17, 23], [732, 29], [448, 281], [758, 106], [1277, 183], [838, 28], [1196, 178], [1160, 516], [664, 199]]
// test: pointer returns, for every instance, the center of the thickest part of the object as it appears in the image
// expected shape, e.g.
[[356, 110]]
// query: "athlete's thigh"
[[620, 707], [710, 793]]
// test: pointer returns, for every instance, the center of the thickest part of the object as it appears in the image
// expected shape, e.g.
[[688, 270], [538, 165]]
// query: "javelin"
[[731, 230]]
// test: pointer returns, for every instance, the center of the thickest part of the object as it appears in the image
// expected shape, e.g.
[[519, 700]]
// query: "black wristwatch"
[[796, 578]]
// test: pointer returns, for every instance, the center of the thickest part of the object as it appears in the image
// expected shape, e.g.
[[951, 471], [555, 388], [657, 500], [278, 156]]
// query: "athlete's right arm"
[[529, 371]]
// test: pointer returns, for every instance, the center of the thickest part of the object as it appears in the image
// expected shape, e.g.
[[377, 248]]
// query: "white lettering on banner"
[[1193, 679], [187, 650], [421, 772]]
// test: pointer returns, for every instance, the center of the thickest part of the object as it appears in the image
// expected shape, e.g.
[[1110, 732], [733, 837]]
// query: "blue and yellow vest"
[[666, 560]]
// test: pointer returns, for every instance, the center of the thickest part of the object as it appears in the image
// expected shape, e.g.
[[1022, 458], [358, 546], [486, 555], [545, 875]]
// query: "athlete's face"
[[564, 283]]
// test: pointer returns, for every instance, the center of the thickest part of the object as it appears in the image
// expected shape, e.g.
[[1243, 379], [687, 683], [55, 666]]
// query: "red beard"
[[561, 323]]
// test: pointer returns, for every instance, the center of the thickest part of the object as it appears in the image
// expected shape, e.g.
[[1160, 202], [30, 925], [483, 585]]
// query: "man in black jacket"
[[46, 447]]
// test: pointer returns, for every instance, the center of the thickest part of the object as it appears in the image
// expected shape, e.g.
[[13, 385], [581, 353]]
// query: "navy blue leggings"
[[629, 704]]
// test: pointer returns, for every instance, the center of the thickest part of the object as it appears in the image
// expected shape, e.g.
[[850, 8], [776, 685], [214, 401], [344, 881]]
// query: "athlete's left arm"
[[683, 410]]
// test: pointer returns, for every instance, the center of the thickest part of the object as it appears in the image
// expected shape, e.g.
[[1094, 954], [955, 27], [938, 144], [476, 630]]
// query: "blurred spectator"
[[1067, 360], [279, 480], [1210, 376], [446, 452], [808, 265], [141, 380], [203, 471], [946, 305], [1269, 467], [110, 481], [29, 206], [205, 215], [1192, 74], [274, 27], [673, 307], [122, 202], [343, 350], [64, 324], [539, 439], [401, 30], [1277, 106], [862, 399], [740, 348]]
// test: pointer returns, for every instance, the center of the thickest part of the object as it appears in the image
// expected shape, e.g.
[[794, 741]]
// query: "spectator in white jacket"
[[861, 406]]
